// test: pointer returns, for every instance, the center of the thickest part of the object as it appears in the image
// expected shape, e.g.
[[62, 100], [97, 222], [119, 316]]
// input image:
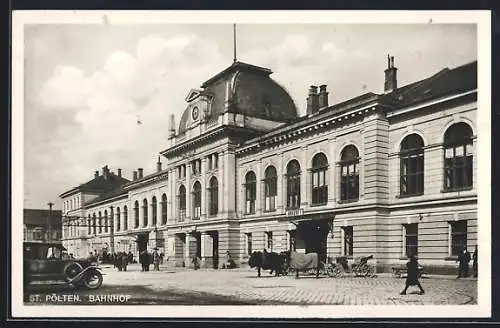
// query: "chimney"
[[105, 172], [390, 76], [96, 174], [134, 175], [158, 165], [171, 133], [141, 171], [312, 100], [323, 96], [120, 173]]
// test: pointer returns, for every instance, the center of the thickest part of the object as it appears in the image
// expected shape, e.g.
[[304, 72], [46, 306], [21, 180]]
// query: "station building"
[[389, 174]]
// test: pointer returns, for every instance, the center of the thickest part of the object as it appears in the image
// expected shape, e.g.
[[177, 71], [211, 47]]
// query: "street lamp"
[[49, 218]]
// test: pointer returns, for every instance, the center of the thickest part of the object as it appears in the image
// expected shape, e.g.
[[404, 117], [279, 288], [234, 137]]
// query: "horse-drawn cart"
[[341, 267]]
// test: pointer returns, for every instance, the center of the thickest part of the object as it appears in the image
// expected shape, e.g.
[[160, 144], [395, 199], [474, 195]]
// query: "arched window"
[[118, 222], [319, 183], [164, 209], [145, 212], [125, 217], [136, 214], [411, 166], [154, 209], [214, 196], [250, 192], [271, 188], [100, 222], [196, 200], [89, 224], [293, 185], [94, 224], [182, 203], [106, 221], [349, 174], [458, 155]]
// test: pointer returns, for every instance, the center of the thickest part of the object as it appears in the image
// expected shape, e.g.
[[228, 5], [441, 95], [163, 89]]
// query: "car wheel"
[[93, 280], [71, 270]]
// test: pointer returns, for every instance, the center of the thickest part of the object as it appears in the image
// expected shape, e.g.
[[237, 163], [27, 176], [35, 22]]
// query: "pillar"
[[305, 178], [222, 184], [332, 174], [258, 188], [123, 218], [203, 188], [206, 250], [150, 213], [280, 182], [171, 197], [189, 194], [141, 214]]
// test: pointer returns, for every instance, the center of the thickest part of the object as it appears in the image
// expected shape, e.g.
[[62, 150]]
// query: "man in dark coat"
[[463, 263], [124, 261], [143, 260], [412, 275], [474, 263], [148, 260]]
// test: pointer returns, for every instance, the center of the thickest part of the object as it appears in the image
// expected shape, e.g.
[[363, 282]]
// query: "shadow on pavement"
[[138, 295]]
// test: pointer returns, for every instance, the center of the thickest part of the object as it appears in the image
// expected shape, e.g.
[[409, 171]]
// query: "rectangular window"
[[269, 240], [270, 185], [293, 191], [458, 236], [348, 240], [458, 167], [250, 197], [411, 239], [249, 243], [319, 188], [349, 182]]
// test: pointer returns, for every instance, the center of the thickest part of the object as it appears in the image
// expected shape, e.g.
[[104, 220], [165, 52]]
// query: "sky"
[[87, 86]]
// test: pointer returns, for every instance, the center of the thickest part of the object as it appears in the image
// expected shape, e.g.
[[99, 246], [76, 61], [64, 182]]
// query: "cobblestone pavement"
[[243, 284]]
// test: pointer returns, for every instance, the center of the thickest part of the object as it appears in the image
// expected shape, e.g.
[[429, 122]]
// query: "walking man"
[[463, 263], [124, 261], [143, 260], [156, 260], [474, 263], [412, 275]]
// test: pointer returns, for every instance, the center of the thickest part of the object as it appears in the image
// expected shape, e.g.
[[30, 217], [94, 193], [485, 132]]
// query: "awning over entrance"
[[311, 232]]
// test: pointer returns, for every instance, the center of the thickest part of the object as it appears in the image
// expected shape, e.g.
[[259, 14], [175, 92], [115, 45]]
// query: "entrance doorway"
[[198, 244], [142, 242], [215, 249], [313, 235]]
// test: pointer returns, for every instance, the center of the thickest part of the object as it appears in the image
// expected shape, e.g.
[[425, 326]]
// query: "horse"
[[272, 261], [303, 262]]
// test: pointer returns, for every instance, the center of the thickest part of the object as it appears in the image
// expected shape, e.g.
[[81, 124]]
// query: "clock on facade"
[[195, 113]]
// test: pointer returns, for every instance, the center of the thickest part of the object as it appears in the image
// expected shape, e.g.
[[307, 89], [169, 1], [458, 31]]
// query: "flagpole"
[[234, 43]]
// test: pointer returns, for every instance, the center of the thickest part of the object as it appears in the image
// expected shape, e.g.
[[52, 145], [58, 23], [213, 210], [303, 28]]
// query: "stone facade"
[[365, 211]]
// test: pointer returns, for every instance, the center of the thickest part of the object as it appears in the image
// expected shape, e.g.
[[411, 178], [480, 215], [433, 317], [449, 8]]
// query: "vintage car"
[[51, 262]]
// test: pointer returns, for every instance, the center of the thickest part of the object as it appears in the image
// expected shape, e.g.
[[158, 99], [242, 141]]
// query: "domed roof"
[[251, 92]]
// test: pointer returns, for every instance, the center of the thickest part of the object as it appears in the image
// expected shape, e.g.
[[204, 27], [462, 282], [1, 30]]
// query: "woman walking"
[[412, 275]]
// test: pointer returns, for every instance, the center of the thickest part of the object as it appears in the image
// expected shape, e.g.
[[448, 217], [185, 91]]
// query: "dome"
[[251, 92]]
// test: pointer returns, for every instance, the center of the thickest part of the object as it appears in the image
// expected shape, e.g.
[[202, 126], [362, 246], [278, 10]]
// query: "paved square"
[[244, 285]]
